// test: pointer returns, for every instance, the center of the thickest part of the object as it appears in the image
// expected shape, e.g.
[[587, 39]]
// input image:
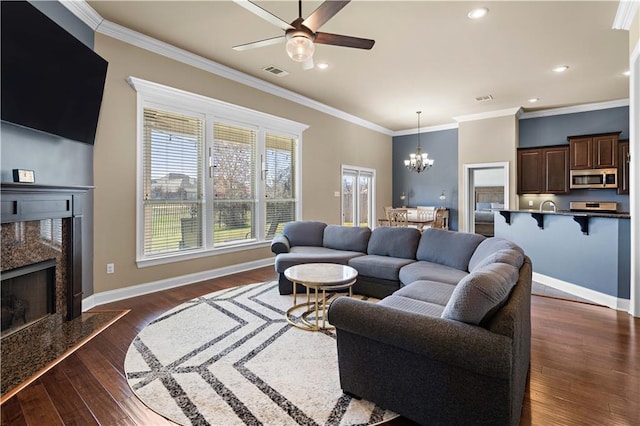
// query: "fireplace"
[[28, 295], [41, 259]]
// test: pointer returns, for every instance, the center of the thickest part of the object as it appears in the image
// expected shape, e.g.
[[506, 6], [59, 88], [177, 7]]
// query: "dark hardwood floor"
[[585, 367]]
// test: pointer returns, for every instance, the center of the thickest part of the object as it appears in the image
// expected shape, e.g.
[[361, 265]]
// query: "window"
[[279, 178], [172, 184], [213, 177], [358, 189]]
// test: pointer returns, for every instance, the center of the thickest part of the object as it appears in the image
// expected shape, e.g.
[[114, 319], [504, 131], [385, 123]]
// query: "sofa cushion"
[[428, 291], [351, 238], [509, 256], [481, 293], [490, 246], [448, 248], [304, 233], [423, 270], [382, 267], [394, 242], [303, 254], [412, 305]]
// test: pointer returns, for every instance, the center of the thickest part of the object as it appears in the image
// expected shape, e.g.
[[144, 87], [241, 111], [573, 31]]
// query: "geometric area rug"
[[231, 358]]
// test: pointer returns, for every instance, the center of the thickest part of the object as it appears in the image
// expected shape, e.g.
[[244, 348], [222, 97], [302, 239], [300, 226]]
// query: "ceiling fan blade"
[[261, 43], [343, 40], [323, 13], [308, 64], [264, 14]]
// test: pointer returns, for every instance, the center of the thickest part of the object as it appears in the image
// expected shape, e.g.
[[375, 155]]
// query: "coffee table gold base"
[[316, 307]]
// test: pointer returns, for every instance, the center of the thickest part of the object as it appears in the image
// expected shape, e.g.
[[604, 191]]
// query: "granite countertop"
[[617, 215]]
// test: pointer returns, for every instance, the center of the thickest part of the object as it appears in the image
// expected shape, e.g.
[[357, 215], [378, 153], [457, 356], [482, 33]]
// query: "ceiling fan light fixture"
[[300, 48]]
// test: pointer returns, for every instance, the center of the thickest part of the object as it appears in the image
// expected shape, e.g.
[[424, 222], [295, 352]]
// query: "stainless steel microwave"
[[594, 178]]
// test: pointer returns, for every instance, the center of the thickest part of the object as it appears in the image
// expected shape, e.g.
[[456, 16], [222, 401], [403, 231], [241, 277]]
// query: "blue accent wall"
[[553, 130], [424, 189], [55, 160]]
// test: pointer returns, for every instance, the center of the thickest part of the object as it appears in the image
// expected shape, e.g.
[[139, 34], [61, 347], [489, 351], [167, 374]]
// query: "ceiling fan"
[[301, 34]]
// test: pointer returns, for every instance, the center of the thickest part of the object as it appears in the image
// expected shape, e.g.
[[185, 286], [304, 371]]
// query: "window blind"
[[173, 171], [279, 177], [234, 181]]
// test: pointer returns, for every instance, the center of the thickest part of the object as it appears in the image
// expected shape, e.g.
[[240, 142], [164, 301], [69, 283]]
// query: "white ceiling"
[[428, 55]]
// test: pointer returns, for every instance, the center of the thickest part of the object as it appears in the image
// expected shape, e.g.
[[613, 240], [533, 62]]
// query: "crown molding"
[[490, 114], [575, 109], [429, 129], [84, 12], [625, 15], [93, 19]]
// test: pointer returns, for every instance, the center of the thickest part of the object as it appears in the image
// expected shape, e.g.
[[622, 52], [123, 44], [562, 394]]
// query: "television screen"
[[50, 80]]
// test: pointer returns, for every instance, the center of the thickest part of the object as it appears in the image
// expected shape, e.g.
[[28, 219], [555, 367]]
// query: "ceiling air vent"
[[271, 69], [484, 98]]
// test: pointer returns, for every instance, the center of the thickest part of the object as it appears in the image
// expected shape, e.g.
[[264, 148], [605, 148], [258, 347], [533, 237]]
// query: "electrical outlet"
[[111, 268], [336, 194], [530, 203]]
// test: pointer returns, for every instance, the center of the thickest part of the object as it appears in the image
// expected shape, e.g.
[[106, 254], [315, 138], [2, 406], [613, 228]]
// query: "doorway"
[[358, 189], [486, 190]]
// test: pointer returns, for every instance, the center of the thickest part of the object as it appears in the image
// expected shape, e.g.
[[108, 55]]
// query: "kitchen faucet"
[[553, 205]]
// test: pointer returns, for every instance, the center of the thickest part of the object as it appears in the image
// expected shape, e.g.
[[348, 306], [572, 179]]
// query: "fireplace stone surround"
[[25, 209]]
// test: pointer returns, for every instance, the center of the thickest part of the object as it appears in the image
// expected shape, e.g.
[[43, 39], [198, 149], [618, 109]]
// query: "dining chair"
[[397, 217]]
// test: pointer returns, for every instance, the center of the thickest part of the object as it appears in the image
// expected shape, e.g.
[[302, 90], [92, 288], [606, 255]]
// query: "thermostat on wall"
[[25, 176]]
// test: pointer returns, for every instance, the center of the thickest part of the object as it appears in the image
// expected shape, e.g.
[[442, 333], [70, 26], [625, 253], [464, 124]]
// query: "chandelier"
[[418, 162]]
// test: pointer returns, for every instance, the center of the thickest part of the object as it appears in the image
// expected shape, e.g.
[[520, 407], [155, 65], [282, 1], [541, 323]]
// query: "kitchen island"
[[583, 253]]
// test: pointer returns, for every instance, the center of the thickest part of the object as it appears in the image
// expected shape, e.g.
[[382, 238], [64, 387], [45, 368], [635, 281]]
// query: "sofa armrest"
[[280, 244], [451, 342]]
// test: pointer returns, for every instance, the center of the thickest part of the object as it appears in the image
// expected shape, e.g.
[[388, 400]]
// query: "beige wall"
[[328, 143], [487, 141], [634, 33]]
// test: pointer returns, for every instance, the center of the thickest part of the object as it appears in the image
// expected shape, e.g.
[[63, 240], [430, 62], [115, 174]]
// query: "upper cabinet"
[[623, 167], [530, 171], [543, 170], [594, 151]]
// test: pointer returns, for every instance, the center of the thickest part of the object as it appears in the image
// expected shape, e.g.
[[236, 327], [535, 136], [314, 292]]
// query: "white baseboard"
[[585, 293], [151, 287]]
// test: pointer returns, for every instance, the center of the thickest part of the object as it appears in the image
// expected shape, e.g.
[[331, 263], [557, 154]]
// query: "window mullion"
[[208, 190]]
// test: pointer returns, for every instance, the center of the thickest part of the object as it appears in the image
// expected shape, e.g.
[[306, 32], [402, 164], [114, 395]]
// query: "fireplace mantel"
[[21, 202]]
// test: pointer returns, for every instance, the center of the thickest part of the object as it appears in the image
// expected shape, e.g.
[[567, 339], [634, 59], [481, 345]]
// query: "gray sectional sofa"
[[449, 343]]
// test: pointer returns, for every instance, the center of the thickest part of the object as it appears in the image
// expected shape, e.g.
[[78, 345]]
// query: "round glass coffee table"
[[318, 277]]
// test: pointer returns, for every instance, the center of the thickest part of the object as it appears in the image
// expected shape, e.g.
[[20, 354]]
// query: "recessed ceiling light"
[[627, 73], [534, 100], [478, 13], [322, 65], [561, 68]]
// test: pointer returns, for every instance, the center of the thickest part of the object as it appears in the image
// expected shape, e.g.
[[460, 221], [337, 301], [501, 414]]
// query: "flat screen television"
[[51, 81]]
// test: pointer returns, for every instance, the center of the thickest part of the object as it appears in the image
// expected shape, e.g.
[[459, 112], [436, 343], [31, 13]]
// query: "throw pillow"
[[481, 293]]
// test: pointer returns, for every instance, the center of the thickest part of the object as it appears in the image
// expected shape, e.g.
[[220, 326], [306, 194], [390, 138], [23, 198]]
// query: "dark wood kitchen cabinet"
[[543, 170], [594, 151], [623, 167], [529, 171]]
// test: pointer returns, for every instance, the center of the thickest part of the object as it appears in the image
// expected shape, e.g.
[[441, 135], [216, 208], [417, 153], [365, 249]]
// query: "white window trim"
[[153, 94]]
